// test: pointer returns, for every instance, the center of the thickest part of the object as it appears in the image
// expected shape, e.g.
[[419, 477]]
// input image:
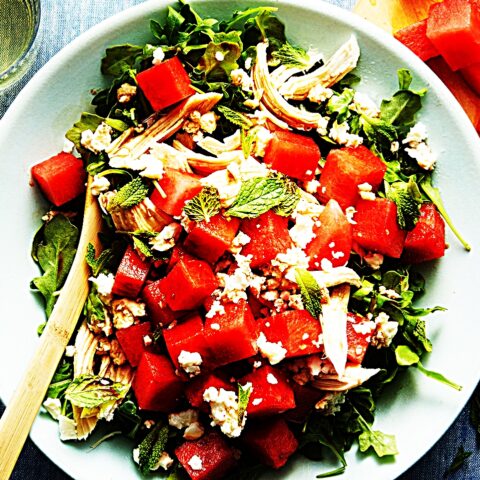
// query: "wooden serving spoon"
[[25, 403]]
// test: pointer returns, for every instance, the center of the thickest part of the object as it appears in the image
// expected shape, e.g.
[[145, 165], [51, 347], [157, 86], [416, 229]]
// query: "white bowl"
[[418, 410]]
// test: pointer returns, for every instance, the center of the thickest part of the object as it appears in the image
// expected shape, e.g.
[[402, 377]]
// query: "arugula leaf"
[[94, 308], [240, 16], [100, 264], [120, 58], [339, 104], [291, 56], [142, 247], [203, 206], [152, 447], [90, 121], [459, 460], [408, 199], [271, 30], [382, 443], [55, 255], [380, 134], [310, 291], [433, 195], [129, 195], [61, 380], [243, 398], [237, 118], [260, 194]]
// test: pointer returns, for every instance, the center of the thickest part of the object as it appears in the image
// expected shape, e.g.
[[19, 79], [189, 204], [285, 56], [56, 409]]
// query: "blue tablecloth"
[[62, 21]]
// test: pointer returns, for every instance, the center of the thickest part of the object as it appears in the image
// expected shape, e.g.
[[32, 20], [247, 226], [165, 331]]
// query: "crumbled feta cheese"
[[272, 379], [240, 78], [216, 326], [190, 362], [274, 352], [126, 92], [319, 93], [158, 56], [257, 364], [375, 260], [208, 122], [339, 134], [183, 419], [305, 336], [394, 147], [99, 140], [239, 242], [322, 126], [67, 428], [224, 411], [104, 283], [270, 296], [194, 431], [125, 311], [257, 401], [365, 190], [147, 340], [364, 328], [99, 185], [416, 134], [388, 292], [248, 63], [68, 146], [289, 261], [424, 156], [302, 232], [261, 139], [312, 186], [136, 455], [308, 206], [53, 406], [216, 309], [326, 264], [386, 330], [165, 461], [70, 351], [319, 341], [349, 213], [152, 167], [364, 105], [165, 240], [196, 462]]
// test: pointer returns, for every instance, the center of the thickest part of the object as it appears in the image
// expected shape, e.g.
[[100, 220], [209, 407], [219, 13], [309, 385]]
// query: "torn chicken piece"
[[274, 102], [284, 72], [131, 147], [216, 147], [144, 216], [170, 157], [336, 276], [343, 61], [334, 327], [353, 376], [85, 347], [206, 164]]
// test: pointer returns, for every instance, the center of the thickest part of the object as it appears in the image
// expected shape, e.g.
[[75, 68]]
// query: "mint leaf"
[[339, 103], [291, 56], [61, 380], [203, 206], [382, 443], [142, 247], [55, 253], [152, 447], [408, 199], [237, 118], [243, 398], [100, 264], [129, 195], [94, 308], [290, 200], [310, 291]]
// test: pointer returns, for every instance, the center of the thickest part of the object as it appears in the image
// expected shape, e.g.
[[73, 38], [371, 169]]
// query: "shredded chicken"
[[336, 276], [216, 147], [343, 61], [353, 376]]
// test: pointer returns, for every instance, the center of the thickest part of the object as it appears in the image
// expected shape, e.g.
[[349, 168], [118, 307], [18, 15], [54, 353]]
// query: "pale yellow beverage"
[[19, 22]]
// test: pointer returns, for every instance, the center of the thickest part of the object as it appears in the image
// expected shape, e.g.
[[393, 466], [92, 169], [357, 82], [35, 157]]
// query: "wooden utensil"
[[23, 407], [392, 15]]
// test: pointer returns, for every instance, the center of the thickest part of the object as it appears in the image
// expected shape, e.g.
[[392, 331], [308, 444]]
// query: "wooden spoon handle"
[[25, 403]]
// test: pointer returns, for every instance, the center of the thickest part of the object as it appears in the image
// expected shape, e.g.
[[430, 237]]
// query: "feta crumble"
[[190, 362], [99, 185], [70, 351], [257, 401], [339, 133], [165, 461], [272, 379], [165, 240], [273, 352], [53, 406], [364, 105], [386, 329], [99, 140], [158, 56], [302, 232], [196, 462], [418, 148], [240, 78], [104, 283], [375, 260], [292, 259]]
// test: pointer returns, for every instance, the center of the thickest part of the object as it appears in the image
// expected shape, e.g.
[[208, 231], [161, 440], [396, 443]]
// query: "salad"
[[254, 294]]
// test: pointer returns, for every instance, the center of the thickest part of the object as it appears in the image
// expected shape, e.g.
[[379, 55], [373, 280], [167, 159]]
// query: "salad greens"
[[211, 50]]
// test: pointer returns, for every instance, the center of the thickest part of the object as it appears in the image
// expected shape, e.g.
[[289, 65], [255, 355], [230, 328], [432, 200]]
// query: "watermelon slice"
[[414, 37]]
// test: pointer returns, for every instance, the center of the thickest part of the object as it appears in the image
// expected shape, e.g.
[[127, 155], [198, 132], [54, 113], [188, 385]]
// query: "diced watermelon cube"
[[178, 187], [188, 284], [209, 240], [333, 238], [212, 452], [467, 98], [271, 393], [133, 342], [347, 168], [297, 331], [271, 441], [414, 37], [177, 253], [131, 274], [187, 335], [268, 237], [453, 26], [158, 310], [61, 178], [472, 76], [165, 84], [195, 389], [359, 333], [427, 239], [305, 399], [293, 154], [377, 228], [156, 386], [231, 336]]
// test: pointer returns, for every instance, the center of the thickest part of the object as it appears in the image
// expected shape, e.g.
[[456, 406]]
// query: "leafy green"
[[94, 308], [382, 443], [239, 17], [96, 396], [380, 134], [459, 461], [271, 30], [142, 246], [129, 195], [408, 199], [260, 194], [339, 104], [120, 58], [55, 253], [290, 200], [243, 398], [237, 118], [291, 56], [402, 108], [61, 380], [152, 447], [101, 263], [310, 291], [203, 206], [433, 195]]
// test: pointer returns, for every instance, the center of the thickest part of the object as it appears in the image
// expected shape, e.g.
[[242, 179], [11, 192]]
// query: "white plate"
[[419, 410]]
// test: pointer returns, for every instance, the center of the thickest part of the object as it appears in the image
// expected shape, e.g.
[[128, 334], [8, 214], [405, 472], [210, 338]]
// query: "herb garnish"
[[203, 206], [310, 291], [129, 195]]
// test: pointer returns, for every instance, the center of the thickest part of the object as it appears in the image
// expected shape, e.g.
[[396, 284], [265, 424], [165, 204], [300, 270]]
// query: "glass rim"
[[20, 60]]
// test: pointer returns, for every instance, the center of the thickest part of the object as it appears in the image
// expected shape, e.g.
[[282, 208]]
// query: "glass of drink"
[[19, 27]]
